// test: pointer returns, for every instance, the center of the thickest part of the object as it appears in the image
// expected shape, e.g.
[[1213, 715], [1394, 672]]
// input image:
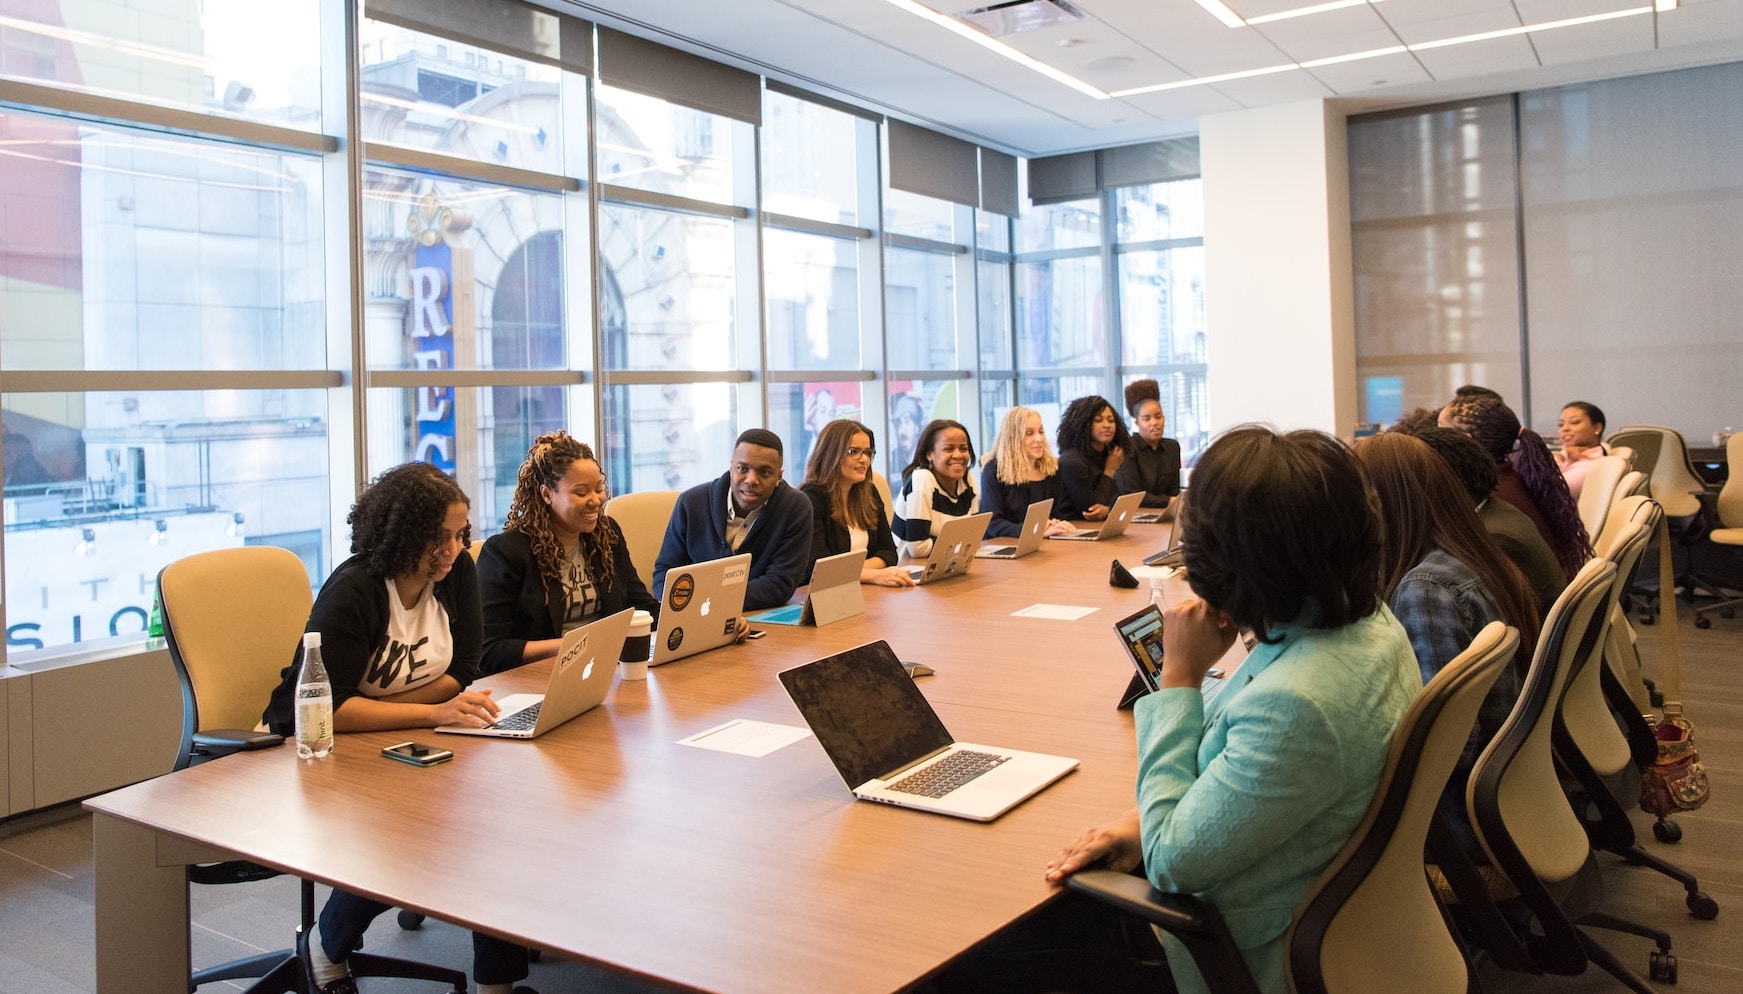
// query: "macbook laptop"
[[1119, 516], [1028, 539], [580, 679], [952, 549], [888, 744], [835, 594], [701, 609]]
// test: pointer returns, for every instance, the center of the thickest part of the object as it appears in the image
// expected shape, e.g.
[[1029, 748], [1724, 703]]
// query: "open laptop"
[[701, 609], [953, 549], [1028, 539], [580, 679], [888, 744], [1119, 516], [835, 594]]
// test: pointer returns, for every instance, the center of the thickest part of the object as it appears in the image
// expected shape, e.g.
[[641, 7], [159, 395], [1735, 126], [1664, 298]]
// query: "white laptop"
[[888, 744], [580, 679], [953, 549], [835, 594], [1028, 539], [1119, 516], [701, 608]]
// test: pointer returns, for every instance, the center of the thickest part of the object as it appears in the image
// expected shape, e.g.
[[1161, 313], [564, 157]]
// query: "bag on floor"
[[1675, 780]]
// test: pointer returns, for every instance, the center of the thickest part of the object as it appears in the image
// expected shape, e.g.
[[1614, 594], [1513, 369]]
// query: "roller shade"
[[998, 182], [499, 25], [647, 67], [933, 165]]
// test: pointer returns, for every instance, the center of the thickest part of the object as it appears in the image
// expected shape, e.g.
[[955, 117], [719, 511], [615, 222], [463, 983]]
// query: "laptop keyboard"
[[943, 777], [522, 720]]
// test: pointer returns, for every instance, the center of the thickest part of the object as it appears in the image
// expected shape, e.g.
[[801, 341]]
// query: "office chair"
[[1599, 491], [1374, 894], [1663, 455], [232, 619], [883, 486], [643, 517], [1729, 536], [1522, 819]]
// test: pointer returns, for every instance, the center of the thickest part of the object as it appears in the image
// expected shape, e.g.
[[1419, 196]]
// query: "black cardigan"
[[520, 606], [830, 538]]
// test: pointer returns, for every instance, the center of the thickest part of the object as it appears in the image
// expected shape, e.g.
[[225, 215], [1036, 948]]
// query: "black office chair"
[[1523, 822], [1374, 895], [232, 618]]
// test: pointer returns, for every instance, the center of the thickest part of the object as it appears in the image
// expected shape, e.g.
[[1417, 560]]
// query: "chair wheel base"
[[1667, 832], [1702, 906], [1662, 968], [410, 921], [1703, 623]]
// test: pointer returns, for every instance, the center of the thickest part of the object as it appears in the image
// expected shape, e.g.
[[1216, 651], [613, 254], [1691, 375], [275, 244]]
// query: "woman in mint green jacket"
[[1246, 800]]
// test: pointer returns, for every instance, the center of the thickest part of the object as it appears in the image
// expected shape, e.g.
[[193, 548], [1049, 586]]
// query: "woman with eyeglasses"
[[560, 561], [849, 514]]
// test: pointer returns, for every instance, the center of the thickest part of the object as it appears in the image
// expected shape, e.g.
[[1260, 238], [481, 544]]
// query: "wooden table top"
[[608, 841]]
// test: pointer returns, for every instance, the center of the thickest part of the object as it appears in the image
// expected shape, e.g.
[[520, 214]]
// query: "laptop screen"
[[866, 711]]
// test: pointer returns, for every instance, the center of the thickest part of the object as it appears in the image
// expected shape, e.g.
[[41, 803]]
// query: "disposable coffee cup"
[[633, 660]]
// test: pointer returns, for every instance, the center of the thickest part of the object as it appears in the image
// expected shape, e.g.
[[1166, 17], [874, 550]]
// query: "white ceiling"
[[874, 54]]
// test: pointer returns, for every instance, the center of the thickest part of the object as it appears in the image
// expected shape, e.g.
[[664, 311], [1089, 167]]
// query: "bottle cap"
[[311, 640]]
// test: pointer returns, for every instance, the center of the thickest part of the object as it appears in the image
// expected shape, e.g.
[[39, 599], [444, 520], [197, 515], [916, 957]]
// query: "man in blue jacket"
[[748, 509]]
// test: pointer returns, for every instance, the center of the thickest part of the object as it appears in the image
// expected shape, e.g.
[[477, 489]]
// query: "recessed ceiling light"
[[1221, 12], [1108, 63]]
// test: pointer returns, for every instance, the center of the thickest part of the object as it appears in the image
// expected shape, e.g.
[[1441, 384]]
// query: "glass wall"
[[208, 338]]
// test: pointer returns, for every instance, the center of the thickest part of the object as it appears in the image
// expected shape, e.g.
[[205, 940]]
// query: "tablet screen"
[[1141, 634]]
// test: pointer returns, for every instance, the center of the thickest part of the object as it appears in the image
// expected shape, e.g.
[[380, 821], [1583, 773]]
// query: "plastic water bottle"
[[1156, 596], [314, 703]]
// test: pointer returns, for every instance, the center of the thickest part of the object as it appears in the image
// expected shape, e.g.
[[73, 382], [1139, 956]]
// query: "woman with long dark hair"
[[849, 514], [1526, 475], [1092, 448]]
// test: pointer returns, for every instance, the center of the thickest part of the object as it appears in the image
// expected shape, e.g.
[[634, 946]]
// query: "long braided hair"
[[1496, 428], [546, 464]]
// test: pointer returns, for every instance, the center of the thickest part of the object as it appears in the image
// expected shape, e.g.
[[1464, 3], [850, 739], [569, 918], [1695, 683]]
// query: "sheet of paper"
[[1148, 572], [1055, 612], [747, 738]]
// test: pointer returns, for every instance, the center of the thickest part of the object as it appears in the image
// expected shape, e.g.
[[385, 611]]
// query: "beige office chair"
[[1599, 491], [1524, 824], [1374, 894], [232, 619], [1622, 452], [643, 517], [883, 486], [1730, 534], [1662, 455]]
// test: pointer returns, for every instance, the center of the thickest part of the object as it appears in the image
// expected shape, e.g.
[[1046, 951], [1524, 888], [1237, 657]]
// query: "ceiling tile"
[[1495, 55], [1362, 77], [1593, 41], [1277, 88], [1338, 32]]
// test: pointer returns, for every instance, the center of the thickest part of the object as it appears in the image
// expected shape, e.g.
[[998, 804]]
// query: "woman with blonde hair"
[[848, 513], [559, 562], [1021, 471]]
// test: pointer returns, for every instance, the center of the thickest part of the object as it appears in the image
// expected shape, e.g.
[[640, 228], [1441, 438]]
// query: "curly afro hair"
[[1138, 392], [1075, 424], [398, 518]]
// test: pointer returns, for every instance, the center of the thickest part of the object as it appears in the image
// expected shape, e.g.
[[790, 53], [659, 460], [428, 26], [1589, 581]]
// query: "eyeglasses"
[[855, 453]]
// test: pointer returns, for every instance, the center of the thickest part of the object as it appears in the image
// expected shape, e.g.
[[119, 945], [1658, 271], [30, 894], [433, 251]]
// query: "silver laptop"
[[1028, 539], [1119, 516], [835, 594], [580, 679], [888, 744], [953, 549], [701, 609]]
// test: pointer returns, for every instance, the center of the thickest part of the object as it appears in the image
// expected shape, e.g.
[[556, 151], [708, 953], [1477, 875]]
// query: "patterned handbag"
[[1675, 780]]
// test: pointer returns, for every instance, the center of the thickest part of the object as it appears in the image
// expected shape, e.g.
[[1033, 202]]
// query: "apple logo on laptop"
[[707, 606], [587, 671]]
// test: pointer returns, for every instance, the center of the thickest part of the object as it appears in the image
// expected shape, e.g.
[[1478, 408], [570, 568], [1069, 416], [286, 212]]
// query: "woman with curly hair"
[[1526, 475], [847, 512], [1152, 464], [559, 562], [1092, 447], [1021, 471], [401, 637]]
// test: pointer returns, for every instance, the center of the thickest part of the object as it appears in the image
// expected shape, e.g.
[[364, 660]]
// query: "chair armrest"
[[224, 741], [1194, 921]]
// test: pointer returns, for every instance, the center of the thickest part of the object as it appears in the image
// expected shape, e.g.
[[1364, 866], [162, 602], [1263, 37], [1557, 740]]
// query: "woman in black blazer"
[[849, 514], [559, 562]]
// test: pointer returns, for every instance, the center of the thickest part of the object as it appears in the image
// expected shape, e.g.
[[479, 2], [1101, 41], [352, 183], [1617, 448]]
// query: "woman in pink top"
[[1582, 430]]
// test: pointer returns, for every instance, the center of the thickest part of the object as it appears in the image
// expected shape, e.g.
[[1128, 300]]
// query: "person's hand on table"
[[887, 576], [1058, 526], [1096, 512], [468, 707], [1114, 846], [1194, 636], [740, 629]]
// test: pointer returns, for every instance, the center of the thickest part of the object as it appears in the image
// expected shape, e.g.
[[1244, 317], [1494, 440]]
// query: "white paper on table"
[[1152, 572], [1055, 612], [747, 738]]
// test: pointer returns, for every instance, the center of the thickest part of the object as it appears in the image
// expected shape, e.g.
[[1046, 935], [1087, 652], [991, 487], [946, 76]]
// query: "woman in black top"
[[1022, 470], [849, 514], [1152, 462], [559, 563], [1092, 446]]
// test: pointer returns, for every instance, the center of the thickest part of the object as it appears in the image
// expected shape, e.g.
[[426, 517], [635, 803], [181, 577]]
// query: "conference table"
[[607, 841]]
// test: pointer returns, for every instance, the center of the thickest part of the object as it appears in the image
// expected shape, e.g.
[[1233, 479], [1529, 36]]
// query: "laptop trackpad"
[[1004, 782]]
